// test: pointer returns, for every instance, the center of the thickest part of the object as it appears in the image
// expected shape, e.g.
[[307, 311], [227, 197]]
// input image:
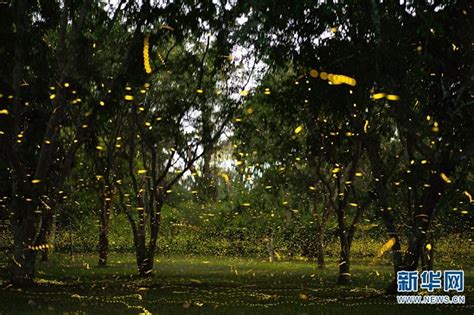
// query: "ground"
[[204, 285]]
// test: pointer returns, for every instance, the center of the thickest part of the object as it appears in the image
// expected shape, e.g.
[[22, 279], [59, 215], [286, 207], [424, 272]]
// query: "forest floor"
[[212, 285]]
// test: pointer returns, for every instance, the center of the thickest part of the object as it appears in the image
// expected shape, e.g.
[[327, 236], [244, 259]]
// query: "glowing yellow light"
[[312, 188], [36, 181], [102, 103], [468, 195], [167, 27], [100, 148], [246, 204], [128, 97], [392, 97], [336, 170], [4, 112], [378, 96], [244, 92], [314, 73], [199, 91], [366, 125], [225, 177], [298, 129], [428, 246], [52, 96], [387, 246], [323, 75], [141, 171], [146, 58], [445, 178]]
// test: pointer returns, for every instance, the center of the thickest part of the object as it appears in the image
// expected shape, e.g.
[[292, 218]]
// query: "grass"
[[204, 285]]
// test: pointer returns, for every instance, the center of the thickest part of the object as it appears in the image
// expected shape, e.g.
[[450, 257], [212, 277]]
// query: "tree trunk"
[[145, 267], [51, 237], [24, 232], [46, 226], [427, 252], [320, 245], [22, 212], [103, 247], [344, 264], [270, 249], [380, 171], [104, 229], [422, 217]]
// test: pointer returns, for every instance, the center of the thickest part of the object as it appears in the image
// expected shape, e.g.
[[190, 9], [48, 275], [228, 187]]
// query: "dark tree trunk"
[[23, 218], [44, 236], [104, 229], [103, 247], [427, 252], [145, 267], [24, 233], [381, 172], [320, 249], [208, 189], [422, 217], [147, 253], [26, 197], [344, 263]]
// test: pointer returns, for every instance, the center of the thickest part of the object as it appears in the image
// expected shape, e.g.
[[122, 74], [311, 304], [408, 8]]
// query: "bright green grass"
[[204, 285]]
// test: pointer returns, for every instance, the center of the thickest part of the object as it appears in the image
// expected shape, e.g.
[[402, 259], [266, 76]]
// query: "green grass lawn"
[[204, 285]]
